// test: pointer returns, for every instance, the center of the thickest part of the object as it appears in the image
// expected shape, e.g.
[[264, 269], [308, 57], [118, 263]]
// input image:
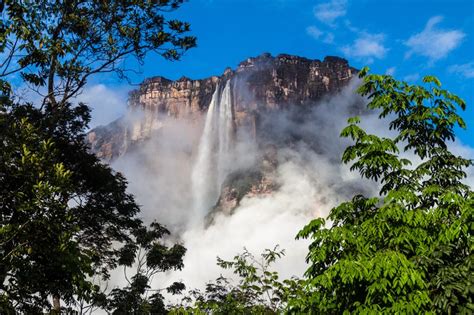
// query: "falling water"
[[225, 134], [211, 165]]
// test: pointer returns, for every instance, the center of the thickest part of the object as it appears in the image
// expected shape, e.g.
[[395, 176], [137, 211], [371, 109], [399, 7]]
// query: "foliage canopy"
[[409, 249], [259, 289], [59, 44], [66, 218]]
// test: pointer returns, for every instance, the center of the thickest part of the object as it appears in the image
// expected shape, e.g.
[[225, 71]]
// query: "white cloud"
[[391, 71], [328, 12], [351, 27], [466, 70], [329, 38], [366, 47], [107, 103], [434, 43], [308, 185], [316, 33], [411, 77]]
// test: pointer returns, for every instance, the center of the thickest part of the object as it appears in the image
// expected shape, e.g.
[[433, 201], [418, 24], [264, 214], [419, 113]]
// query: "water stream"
[[212, 162]]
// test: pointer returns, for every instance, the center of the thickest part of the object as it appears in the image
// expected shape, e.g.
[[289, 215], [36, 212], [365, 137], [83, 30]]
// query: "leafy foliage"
[[150, 256], [59, 44], [259, 290], [65, 216], [61, 208], [409, 249]]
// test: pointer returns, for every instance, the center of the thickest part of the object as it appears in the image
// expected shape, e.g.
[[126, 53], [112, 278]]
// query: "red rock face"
[[260, 84]]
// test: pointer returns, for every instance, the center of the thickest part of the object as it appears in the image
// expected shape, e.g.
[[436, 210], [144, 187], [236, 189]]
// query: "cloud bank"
[[316, 33], [433, 42], [329, 12], [465, 70], [366, 47], [309, 176], [107, 104]]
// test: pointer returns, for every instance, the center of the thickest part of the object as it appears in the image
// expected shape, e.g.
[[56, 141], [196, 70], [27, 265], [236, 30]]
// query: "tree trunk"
[[52, 71]]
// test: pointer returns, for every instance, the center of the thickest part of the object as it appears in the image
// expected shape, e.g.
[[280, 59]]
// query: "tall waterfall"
[[225, 132], [215, 145]]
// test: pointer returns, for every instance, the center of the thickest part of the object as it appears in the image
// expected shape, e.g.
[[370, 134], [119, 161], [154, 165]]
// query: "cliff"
[[261, 84]]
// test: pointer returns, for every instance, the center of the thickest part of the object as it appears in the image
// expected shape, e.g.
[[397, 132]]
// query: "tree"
[[65, 216], [259, 290], [58, 45], [409, 249], [150, 256], [61, 209]]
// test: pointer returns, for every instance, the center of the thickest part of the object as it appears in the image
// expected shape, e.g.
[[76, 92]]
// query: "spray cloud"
[[177, 177]]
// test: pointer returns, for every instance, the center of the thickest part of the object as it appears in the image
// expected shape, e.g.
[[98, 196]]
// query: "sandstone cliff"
[[261, 84]]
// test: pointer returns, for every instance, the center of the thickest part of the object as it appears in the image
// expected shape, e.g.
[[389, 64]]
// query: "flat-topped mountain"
[[261, 84]]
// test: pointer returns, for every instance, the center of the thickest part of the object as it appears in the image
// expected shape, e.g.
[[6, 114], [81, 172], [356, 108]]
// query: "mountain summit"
[[259, 84]]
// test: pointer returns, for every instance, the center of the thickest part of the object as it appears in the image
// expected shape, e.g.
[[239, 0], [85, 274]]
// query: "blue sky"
[[406, 38]]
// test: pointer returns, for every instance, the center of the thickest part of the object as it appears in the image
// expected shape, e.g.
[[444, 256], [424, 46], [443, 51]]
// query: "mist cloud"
[[309, 176]]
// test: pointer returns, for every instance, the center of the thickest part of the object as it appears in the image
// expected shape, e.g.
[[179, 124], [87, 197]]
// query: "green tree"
[[57, 45], [65, 216], [150, 256], [409, 249], [61, 209], [259, 289]]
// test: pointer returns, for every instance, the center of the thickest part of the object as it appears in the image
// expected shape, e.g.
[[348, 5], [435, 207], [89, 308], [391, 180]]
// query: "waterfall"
[[225, 134], [211, 166]]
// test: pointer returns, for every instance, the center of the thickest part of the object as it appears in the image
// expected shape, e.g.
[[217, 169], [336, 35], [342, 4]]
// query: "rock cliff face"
[[261, 84]]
